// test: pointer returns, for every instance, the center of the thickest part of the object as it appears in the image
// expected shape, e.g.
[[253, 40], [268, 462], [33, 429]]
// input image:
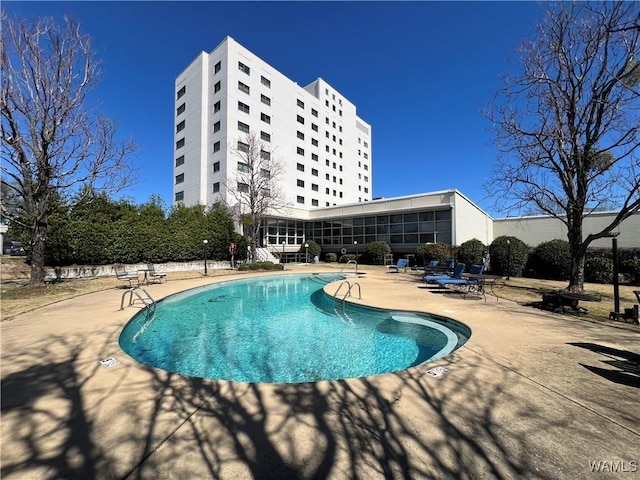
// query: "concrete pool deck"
[[531, 395]]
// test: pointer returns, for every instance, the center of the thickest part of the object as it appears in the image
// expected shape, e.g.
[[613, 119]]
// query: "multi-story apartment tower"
[[325, 148]]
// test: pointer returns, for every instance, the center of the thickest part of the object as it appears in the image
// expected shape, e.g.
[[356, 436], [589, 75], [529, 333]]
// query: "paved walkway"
[[531, 395]]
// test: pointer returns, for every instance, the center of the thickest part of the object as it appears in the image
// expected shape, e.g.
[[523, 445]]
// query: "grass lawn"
[[16, 298]]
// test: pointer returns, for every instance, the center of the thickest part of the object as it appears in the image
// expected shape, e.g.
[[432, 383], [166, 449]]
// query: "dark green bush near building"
[[261, 266], [314, 249], [598, 270], [347, 257], [499, 256], [631, 267], [433, 251], [550, 260], [375, 253], [471, 253], [331, 257]]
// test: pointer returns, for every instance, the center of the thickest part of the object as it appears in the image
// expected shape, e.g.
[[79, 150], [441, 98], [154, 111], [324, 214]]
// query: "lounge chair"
[[468, 282], [429, 268], [402, 263], [155, 275], [457, 272], [122, 274]]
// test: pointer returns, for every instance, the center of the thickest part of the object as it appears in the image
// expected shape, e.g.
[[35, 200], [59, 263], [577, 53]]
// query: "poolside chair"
[[402, 263], [155, 275], [465, 282], [457, 272], [429, 268], [122, 274]]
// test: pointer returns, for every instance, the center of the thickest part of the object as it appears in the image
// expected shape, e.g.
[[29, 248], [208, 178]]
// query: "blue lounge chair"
[[468, 282], [430, 268], [457, 272], [402, 263]]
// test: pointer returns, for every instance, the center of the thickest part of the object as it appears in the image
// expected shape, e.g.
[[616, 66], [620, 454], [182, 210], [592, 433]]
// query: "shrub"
[[598, 270], [331, 257], [471, 253], [632, 267], [499, 258], [345, 258], [260, 266], [433, 251], [314, 249], [551, 260], [375, 252]]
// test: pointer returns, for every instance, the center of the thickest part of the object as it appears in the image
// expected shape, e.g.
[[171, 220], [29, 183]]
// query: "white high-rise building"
[[313, 131]]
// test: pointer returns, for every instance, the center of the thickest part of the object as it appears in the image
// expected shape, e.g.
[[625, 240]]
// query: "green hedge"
[[499, 258], [550, 260]]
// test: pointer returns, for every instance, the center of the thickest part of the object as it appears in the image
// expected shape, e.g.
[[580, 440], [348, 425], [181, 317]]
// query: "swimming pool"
[[283, 329]]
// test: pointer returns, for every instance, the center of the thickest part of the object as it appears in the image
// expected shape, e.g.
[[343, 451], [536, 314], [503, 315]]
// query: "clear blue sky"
[[419, 72]]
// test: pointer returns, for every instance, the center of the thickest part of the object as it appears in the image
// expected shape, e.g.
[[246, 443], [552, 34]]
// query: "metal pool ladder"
[[146, 299], [346, 294]]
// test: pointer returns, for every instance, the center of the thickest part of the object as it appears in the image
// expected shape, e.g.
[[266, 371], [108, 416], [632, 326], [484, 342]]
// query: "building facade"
[[312, 131]]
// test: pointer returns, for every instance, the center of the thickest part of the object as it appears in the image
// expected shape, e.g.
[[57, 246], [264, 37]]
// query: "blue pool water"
[[282, 329]]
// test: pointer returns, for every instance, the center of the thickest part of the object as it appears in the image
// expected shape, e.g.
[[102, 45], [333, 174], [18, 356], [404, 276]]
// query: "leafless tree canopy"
[[567, 125], [54, 145], [256, 187]]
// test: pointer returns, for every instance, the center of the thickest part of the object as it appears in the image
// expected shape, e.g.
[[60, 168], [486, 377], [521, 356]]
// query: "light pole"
[[615, 315], [282, 259], [508, 259], [355, 242], [205, 242], [306, 247]]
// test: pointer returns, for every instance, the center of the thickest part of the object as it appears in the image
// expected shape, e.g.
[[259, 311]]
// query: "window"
[[300, 119], [265, 155], [243, 187], [179, 196], [300, 167], [265, 136], [340, 154], [300, 151], [366, 190], [340, 128], [340, 112], [327, 176], [216, 187], [180, 161], [264, 99], [326, 148], [216, 107], [243, 147], [326, 103], [340, 181], [216, 87], [265, 81], [243, 167], [314, 127], [180, 143], [243, 127], [217, 67], [334, 179], [300, 183], [265, 173], [243, 107], [265, 118], [334, 193], [314, 142], [340, 167], [216, 167], [181, 109], [300, 103], [334, 109], [300, 135], [243, 68], [300, 199], [216, 148], [243, 87], [314, 112], [216, 127], [340, 194], [366, 145], [366, 155], [314, 187], [326, 134], [334, 165], [326, 162], [327, 191], [334, 124], [366, 179], [340, 141], [314, 157], [314, 172], [314, 202], [366, 167], [182, 91], [180, 126], [326, 119], [179, 178], [333, 137]]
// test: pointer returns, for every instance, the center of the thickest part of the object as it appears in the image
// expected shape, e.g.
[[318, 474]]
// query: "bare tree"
[[53, 144], [568, 124], [256, 186]]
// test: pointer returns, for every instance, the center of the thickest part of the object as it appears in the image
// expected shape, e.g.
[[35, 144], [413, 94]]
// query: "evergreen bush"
[[314, 249], [375, 253], [499, 256], [598, 270], [471, 253], [331, 257], [346, 257], [550, 260]]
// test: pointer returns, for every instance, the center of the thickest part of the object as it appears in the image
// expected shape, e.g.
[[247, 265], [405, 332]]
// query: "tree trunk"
[[38, 240], [577, 252]]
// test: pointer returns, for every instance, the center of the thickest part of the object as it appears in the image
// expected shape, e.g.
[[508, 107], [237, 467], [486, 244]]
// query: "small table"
[[145, 280], [480, 286]]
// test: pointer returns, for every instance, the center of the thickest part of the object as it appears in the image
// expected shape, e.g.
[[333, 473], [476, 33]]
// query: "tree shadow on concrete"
[[626, 364]]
